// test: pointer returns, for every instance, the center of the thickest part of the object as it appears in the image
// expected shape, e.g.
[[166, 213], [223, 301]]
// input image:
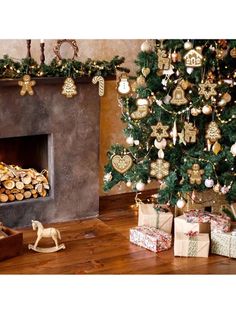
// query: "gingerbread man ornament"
[[26, 84], [195, 174]]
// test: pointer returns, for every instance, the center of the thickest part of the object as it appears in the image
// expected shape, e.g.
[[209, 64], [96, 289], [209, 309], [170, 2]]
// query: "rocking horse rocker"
[[45, 233]]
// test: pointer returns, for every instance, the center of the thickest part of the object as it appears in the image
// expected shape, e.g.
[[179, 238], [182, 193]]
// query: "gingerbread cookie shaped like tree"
[[190, 88]]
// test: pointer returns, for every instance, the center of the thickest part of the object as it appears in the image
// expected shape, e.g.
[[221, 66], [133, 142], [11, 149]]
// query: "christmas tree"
[[180, 117]]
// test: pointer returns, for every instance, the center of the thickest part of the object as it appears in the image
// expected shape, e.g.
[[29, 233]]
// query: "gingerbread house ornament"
[[193, 58]]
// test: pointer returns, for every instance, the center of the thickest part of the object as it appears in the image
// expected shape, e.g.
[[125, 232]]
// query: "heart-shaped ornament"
[[122, 163], [145, 71]]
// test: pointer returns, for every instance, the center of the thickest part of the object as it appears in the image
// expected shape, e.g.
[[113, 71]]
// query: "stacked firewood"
[[17, 184]]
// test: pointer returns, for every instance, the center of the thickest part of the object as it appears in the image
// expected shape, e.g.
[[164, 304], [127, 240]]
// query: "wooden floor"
[[101, 246]]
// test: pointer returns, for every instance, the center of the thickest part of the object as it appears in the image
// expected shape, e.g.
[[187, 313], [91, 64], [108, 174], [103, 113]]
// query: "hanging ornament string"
[[224, 121]]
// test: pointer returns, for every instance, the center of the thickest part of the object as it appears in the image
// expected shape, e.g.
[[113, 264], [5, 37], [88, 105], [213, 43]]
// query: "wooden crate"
[[11, 245]]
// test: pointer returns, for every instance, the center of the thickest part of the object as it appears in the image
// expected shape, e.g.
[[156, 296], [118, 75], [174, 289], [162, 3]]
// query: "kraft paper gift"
[[149, 216], [182, 226], [223, 243], [150, 238], [192, 246], [220, 223]]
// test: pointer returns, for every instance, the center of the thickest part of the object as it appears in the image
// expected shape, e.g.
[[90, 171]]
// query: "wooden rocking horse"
[[45, 233]]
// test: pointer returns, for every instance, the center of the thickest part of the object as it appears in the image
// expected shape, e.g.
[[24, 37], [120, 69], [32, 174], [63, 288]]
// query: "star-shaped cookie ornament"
[[181, 137], [207, 89], [160, 131]]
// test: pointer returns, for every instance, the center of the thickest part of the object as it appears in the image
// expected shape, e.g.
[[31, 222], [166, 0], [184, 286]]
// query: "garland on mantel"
[[62, 68]]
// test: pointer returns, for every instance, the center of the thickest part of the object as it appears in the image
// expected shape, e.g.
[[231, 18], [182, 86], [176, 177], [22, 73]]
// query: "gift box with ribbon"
[[159, 217], [150, 238], [182, 226], [220, 223], [223, 243], [192, 244], [198, 216]]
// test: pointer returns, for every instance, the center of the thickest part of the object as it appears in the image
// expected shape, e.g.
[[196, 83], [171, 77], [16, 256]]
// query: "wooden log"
[[39, 187], [33, 191], [28, 186], [22, 191], [26, 180], [14, 191], [3, 198], [35, 195], [2, 190], [44, 193], [8, 192], [11, 197], [46, 186], [27, 194], [19, 196], [19, 185], [9, 184]]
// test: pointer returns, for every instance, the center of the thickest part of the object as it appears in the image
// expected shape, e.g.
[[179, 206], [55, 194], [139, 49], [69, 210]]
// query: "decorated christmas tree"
[[180, 120]]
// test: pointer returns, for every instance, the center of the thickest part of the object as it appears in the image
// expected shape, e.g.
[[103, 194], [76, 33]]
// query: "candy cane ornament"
[[101, 84]]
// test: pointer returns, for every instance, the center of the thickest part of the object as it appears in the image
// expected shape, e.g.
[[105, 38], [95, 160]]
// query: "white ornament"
[[164, 82], [189, 70], [224, 189], [128, 184], [170, 71], [149, 180], [167, 99], [209, 183], [140, 186], [130, 140], [160, 144], [188, 45], [107, 177], [181, 203], [136, 142], [161, 154], [233, 149]]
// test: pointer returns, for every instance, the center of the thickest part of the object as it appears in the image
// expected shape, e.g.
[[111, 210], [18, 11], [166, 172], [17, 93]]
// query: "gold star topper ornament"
[[207, 89], [160, 131]]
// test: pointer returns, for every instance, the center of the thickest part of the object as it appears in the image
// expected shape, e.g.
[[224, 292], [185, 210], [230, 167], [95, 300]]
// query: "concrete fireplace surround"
[[72, 126]]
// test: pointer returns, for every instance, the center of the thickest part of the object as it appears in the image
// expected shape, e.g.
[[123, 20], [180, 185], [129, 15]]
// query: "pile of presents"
[[196, 232]]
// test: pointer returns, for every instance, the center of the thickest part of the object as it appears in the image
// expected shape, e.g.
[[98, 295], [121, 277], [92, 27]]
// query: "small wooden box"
[[11, 245]]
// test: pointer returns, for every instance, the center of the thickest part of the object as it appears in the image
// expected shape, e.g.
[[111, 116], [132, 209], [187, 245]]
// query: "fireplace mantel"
[[73, 128]]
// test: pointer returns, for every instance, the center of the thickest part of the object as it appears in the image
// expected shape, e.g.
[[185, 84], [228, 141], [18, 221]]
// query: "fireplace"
[[49, 131], [27, 152]]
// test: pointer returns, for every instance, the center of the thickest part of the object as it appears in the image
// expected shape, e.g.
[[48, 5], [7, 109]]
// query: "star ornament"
[[207, 89], [181, 137], [159, 131]]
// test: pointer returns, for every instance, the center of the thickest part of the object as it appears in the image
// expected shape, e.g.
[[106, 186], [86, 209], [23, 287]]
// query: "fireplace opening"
[[26, 167]]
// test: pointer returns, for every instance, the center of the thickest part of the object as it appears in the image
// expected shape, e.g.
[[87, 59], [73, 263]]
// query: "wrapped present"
[[220, 223], [223, 243], [149, 216], [192, 244], [182, 226], [199, 216], [150, 238]]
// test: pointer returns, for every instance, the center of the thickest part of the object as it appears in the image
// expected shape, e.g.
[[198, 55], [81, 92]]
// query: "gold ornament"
[[123, 85], [26, 84], [146, 46], [181, 137], [216, 188], [233, 52], [195, 112], [121, 163], [190, 132], [163, 60], [145, 71], [221, 53], [101, 84], [216, 148], [213, 132], [207, 89], [193, 58], [207, 109], [142, 109], [69, 88], [159, 169], [184, 84], [141, 81], [227, 97], [195, 174], [178, 97], [188, 45], [160, 131]]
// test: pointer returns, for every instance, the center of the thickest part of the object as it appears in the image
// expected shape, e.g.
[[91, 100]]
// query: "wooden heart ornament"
[[122, 163]]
